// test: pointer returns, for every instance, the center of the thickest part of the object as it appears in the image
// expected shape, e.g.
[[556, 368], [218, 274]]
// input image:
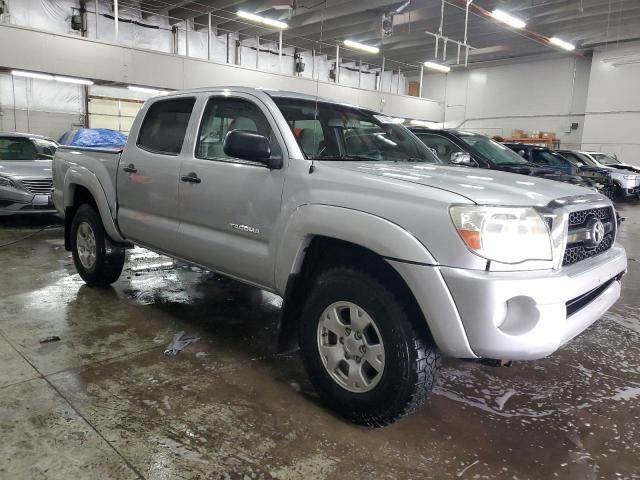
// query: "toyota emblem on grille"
[[595, 231]]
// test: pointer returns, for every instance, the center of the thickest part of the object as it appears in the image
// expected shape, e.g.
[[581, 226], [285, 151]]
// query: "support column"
[[381, 75], [96, 15], [115, 17], [186, 37], [421, 77], [337, 63], [280, 52], [257, 52], [209, 36]]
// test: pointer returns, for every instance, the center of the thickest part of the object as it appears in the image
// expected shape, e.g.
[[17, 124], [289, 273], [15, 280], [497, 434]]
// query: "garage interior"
[[86, 390]]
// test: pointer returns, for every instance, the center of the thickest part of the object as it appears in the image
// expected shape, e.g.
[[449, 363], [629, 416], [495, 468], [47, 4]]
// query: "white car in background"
[[26, 182], [625, 176]]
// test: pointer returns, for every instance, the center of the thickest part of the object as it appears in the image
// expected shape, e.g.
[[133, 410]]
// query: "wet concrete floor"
[[104, 402]]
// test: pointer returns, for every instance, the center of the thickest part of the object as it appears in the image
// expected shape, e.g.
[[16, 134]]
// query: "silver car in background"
[[26, 182], [626, 177]]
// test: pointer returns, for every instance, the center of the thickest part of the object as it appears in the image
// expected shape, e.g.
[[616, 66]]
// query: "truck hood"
[[623, 166], [20, 169], [477, 185]]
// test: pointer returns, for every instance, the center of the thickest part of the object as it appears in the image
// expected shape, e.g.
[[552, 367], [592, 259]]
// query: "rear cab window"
[[164, 127]]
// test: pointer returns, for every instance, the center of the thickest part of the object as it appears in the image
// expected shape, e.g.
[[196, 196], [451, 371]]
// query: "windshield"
[[546, 157], [604, 158], [26, 148], [491, 150], [577, 159], [338, 132]]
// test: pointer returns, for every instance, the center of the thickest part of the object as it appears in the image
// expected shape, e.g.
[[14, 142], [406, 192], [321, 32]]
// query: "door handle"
[[131, 168], [191, 178]]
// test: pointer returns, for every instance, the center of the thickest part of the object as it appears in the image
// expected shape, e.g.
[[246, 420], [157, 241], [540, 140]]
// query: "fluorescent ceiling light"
[[361, 46], [77, 81], [510, 20], [263, 20], [562, 44], [56, 78], [152, 91], [437, 67], [41, 76]]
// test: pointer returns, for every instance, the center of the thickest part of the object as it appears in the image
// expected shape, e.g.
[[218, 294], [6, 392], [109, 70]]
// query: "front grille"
[[580, 217], [578, 251], [38, 186]]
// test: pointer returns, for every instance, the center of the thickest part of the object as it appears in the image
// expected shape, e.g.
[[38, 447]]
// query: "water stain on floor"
[[105, 402]]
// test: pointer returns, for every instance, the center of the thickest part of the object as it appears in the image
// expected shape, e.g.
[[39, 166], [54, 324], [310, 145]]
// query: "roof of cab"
[[271, 92]]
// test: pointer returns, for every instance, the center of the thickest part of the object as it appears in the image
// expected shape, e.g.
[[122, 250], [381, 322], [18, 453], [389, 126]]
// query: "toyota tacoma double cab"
[[385, 258]]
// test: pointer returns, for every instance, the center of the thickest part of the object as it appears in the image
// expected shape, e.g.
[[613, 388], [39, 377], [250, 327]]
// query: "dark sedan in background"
[[448, 144], [551, 159]]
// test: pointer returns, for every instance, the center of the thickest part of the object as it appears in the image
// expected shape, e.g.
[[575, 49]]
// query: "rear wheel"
[[98, 259], [363, 353]]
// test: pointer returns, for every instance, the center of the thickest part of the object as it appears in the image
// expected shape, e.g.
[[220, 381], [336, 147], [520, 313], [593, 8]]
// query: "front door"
[[148, 175], [228, 206]]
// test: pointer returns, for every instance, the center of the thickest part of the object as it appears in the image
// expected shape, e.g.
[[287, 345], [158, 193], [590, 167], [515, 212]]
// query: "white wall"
[[74, 56], [545, 95], [612, 122]]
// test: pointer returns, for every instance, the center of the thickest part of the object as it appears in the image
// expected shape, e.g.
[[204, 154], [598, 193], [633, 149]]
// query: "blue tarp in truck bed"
[[94, 137]]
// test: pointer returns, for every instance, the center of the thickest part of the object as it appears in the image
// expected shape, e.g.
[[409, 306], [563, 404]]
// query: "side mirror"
[[462, 158], [522, 153], [249, 146]]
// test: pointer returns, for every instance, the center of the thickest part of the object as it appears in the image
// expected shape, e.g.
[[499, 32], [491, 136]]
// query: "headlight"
[[6, 182], [503, 234]]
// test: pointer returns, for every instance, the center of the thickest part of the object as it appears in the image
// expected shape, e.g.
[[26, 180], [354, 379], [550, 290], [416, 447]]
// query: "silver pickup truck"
[[384, 257]]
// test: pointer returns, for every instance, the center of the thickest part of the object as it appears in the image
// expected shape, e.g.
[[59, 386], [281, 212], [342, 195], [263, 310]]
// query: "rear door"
[[228, 206], [148, 174]]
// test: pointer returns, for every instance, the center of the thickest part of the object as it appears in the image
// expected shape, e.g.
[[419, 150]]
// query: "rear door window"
[[165, 126]]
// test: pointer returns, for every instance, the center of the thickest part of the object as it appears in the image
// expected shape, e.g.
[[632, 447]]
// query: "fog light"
[[521, 317]]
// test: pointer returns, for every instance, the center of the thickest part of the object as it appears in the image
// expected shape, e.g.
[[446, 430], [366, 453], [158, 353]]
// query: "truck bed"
[[87, 162]]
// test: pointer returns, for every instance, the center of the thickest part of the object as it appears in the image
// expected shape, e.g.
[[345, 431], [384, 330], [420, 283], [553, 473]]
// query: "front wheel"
[[98, 259], [362, 351]]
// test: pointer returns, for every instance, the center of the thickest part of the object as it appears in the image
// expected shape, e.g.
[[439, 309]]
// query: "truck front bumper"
[[630, 188], [515, 315]]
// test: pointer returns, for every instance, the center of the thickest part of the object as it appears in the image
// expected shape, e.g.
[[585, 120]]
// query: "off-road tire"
[[412, 361], [109, 257]]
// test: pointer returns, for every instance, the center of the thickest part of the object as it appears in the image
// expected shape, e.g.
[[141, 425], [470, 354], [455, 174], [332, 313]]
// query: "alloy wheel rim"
[[86, 245], [351, 347]]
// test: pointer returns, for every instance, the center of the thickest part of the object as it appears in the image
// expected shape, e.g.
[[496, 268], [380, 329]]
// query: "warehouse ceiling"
[[586, 23]]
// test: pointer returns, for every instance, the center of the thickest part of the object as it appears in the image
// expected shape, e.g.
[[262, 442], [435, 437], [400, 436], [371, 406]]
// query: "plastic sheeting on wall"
[[393, 83], [152, 32], [40, 106], [39, 95], [50, 15], [352, 77], [316, 66]]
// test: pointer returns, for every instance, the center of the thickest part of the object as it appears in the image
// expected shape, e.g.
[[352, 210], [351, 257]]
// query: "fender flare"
[[377, 234], [84, 178]]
